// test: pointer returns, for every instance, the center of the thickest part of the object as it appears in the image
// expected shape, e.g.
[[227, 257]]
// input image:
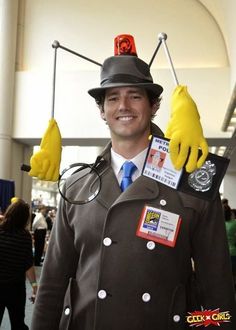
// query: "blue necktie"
[[128, 169]]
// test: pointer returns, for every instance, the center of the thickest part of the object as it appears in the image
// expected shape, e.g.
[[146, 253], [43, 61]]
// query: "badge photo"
[[158, 165]]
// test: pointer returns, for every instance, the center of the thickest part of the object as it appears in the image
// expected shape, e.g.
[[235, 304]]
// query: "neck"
[[129, 149]]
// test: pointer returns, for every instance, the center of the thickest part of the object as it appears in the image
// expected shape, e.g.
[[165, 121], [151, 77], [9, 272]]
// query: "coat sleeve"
[[59, 267], [212, 262]]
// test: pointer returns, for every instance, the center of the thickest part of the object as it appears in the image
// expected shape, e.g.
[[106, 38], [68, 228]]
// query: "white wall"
[[195, 41], [224, 14], [78, 116]]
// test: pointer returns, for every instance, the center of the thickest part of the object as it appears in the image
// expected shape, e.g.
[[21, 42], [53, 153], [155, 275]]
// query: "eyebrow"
[[130, 91]]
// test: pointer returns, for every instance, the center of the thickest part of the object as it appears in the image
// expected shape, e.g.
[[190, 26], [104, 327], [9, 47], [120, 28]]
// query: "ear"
[[102, 114], [154, 109]]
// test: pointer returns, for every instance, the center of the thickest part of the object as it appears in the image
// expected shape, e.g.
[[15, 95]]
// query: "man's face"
[[128, 112]]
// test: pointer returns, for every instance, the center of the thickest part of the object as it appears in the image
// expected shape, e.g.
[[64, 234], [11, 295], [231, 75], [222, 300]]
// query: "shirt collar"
[[117, 161]]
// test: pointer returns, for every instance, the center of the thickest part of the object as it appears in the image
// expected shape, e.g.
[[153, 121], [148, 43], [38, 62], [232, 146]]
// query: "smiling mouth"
[[125, 118]]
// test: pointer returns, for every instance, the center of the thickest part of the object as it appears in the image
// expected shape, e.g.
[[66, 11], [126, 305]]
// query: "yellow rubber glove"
[[185, 132], [45, 164]]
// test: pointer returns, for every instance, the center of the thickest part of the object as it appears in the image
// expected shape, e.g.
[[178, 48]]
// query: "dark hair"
[[153, 99], [16, 216], [225, 201], [227, 213]]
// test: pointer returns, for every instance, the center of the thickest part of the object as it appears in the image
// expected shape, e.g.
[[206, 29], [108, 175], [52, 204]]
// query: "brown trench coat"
[[89, 283]]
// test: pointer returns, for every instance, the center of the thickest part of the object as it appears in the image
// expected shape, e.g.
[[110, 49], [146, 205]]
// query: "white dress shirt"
[[39, 222], [117, 161]]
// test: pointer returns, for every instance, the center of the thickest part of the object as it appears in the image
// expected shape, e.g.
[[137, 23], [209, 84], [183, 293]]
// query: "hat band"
[[124, 79]]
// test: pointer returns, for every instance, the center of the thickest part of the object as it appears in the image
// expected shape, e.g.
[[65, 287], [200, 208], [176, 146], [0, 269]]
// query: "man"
[[49, 220], [39, 228], [98, 273]]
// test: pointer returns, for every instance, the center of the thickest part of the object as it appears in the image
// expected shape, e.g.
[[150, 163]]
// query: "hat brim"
[[154, 88]]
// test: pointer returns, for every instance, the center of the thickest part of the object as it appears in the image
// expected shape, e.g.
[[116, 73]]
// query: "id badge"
[[158, 165], [159, 225]]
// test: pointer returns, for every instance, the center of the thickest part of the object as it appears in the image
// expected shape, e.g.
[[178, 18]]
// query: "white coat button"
[[107, 241], [151, 245], [176, 318], [163, 202], [146, 297], [102, 294], [67, 311]]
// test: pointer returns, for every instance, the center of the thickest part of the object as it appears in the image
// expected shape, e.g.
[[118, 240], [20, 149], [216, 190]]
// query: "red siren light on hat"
[[124, 45]]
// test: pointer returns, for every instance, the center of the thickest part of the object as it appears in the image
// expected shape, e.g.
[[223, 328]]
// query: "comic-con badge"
[[202, 178], [159, 225]]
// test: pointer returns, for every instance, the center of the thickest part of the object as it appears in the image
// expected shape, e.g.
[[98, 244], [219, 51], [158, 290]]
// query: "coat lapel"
[[110, 189], [149, 190], [111, 194]]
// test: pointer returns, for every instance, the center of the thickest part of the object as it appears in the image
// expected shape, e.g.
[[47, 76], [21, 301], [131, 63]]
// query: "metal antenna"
[[155, 52], [54, 82], [162, 37], [57, 45]]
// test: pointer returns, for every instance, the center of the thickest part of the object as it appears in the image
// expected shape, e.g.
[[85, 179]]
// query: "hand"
[[32, 298], [45, 164], [185, 132], [33, 294]]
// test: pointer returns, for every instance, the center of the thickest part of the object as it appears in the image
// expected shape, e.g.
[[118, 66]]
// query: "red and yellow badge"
[[207, 317], [159, 225]]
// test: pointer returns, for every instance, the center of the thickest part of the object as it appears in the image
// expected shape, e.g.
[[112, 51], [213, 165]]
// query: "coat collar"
[[111, 194]]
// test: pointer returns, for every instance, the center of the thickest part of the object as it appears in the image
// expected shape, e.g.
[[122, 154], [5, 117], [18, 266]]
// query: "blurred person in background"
[[39, 228], [16, 262], [49, 220], [225, 203], [233, 213]]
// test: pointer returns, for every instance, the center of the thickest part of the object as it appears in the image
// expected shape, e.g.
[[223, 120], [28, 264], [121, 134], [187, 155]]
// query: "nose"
[[123, 103]]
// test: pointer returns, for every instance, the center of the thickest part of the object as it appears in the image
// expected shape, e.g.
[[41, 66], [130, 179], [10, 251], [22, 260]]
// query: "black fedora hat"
[[125, 70]]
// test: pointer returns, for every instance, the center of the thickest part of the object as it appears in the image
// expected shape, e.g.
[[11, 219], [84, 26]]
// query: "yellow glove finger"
[[55, 174], [44, 169], [182, 156], [52, 174], [36, 163], [204, 148], [174, 150], [192, 160]]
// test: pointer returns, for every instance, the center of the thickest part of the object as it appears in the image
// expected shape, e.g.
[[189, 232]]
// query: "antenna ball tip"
[[162, 36], [55, 44]]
